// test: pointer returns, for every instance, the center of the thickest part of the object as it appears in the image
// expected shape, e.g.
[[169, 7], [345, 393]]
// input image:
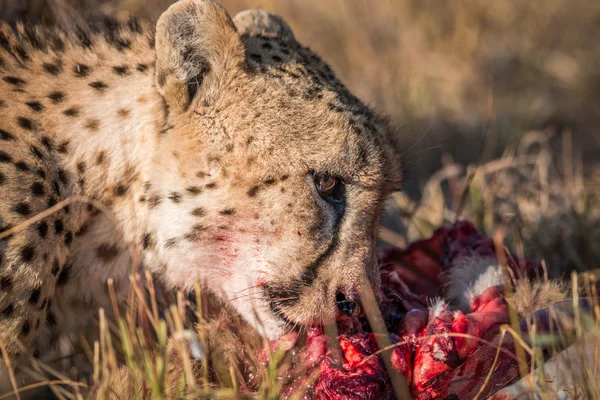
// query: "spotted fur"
[[201, 137]]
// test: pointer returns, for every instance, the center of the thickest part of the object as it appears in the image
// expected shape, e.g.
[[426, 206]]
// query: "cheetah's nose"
[[347, 307]]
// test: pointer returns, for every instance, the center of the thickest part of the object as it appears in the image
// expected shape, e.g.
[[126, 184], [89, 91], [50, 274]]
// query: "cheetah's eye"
[[329, 187], [325, 183]]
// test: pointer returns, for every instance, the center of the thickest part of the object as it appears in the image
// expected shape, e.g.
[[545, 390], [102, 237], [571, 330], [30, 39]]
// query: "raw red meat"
[[431, 353]]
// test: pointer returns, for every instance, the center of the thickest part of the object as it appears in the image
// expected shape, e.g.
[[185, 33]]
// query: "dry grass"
[[498, 103], [194, 348], [544, 215]]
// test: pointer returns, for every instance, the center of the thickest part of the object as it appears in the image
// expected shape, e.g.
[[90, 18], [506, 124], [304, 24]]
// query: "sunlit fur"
[[200, 139]]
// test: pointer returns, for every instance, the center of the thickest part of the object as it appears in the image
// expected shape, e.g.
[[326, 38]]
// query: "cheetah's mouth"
[[279, 314], [280, 297]]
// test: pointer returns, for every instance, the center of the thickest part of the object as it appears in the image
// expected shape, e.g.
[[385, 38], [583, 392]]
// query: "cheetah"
[[222, 150]]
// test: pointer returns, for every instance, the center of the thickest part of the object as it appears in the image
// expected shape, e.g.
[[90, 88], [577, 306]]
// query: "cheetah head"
[[271, 176]]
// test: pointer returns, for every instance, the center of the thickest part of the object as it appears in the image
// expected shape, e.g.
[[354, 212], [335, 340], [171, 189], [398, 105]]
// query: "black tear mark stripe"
[[312, 270]]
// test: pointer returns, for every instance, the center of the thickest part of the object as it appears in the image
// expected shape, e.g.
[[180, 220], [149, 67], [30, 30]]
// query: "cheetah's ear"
[[196, 44], [260, 22]]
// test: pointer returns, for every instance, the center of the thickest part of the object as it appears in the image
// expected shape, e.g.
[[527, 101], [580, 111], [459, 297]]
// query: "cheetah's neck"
[[102, 118]]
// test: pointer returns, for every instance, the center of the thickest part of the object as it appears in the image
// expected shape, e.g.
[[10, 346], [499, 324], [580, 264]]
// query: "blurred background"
[[497, 103]]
